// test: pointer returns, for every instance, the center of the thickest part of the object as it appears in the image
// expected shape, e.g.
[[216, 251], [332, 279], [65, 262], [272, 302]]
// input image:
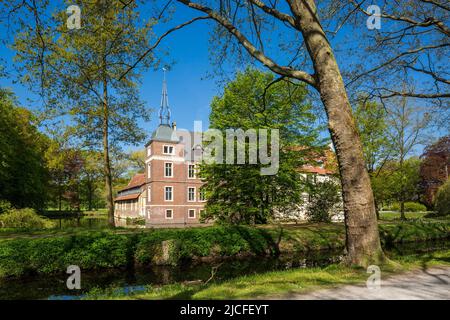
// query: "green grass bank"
[[277, 284], [22, 254]]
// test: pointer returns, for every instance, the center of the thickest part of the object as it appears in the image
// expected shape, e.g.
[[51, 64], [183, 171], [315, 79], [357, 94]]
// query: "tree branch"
[[251, 49], [150, 49]]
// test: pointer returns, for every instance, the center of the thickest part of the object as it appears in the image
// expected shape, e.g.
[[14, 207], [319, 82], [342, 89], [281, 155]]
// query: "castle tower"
[[173, 188]]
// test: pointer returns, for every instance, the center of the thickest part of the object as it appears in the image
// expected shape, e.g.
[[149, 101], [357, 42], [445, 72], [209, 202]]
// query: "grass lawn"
[[279, 283]]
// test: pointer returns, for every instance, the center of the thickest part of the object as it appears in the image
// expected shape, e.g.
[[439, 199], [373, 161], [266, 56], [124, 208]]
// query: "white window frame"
[[195, 195], [149, 194], [189, 165], [168, 148], [171, 213], [171, 170], [165, 193], [189, 213], [149, 151], [149, 170]]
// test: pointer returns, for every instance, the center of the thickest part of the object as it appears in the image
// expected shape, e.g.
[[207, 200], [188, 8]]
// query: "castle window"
[[191, 213], [168, 194], [191, 193], [168, 150], [191, 171], [149, 170], [168, 172], [169, 214]]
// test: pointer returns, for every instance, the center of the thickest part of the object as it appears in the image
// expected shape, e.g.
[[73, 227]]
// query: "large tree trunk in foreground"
[[362, 236], [106, 160]]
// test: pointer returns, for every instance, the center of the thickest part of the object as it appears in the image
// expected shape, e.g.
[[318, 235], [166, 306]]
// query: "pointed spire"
[[164, 111]]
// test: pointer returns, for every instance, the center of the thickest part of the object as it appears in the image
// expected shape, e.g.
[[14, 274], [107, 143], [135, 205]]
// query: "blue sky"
[[190, 92]]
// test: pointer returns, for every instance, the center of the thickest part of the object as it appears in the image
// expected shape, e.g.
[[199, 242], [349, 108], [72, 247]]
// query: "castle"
[[169, 192]]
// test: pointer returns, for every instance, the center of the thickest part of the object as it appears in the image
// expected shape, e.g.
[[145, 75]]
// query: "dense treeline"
[[24, 179], [40, 171], [390, 135]]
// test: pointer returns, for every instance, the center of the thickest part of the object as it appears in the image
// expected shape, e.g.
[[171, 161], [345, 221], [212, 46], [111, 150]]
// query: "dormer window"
[[168, 150]]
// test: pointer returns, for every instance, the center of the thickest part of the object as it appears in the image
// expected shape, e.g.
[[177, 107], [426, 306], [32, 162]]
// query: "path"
[[433, 283]]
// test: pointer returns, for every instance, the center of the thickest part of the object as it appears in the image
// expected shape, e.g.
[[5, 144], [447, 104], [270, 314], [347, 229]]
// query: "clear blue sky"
[[189, 93]]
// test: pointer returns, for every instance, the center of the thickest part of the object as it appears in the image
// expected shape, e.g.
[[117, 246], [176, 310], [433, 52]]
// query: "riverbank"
[[41, 253], [280, 284]]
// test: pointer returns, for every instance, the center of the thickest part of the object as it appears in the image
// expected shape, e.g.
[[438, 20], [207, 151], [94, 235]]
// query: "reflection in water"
[[81, 222], [54, 286]]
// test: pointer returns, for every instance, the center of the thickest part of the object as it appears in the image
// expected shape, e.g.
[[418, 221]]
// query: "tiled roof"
[[318, 170], [127, 197], [137, 181]]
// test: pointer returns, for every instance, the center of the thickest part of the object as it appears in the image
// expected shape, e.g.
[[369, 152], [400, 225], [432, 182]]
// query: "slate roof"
[[164, 133]]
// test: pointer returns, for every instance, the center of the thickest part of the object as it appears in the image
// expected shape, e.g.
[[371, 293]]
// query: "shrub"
[[442, 200], [5, 206], [409, 207], [55, 254], [24, 218], [323, 200]]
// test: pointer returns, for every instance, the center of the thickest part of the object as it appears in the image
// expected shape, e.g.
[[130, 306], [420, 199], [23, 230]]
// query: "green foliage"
[[324, 198], [239, 193], [23, 175], [80, 70], [96, 250], [46, 255], [418, 230], [442, 201], [372, 127], [409, 207], [397, 181], [5, 206], [204, 242], [23, 219], [85, 74]]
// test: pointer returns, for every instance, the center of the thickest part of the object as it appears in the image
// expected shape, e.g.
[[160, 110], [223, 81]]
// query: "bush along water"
[[409, 207], [25, 218], [442, 200], [106, 249]]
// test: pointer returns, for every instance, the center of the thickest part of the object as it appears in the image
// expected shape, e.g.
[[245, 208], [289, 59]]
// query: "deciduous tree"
[[79, 71]]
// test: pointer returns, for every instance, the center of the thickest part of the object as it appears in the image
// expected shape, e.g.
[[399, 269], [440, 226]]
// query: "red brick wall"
[[156, 204]]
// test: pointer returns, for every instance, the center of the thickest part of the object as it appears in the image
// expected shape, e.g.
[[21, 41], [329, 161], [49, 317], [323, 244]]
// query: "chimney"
[[174, 126]]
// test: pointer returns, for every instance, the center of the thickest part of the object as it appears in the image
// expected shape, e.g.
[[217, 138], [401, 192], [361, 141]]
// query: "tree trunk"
[[90, 190], [362, 236], [402, 210], [377, 209], [106, 160], [59, 199]]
